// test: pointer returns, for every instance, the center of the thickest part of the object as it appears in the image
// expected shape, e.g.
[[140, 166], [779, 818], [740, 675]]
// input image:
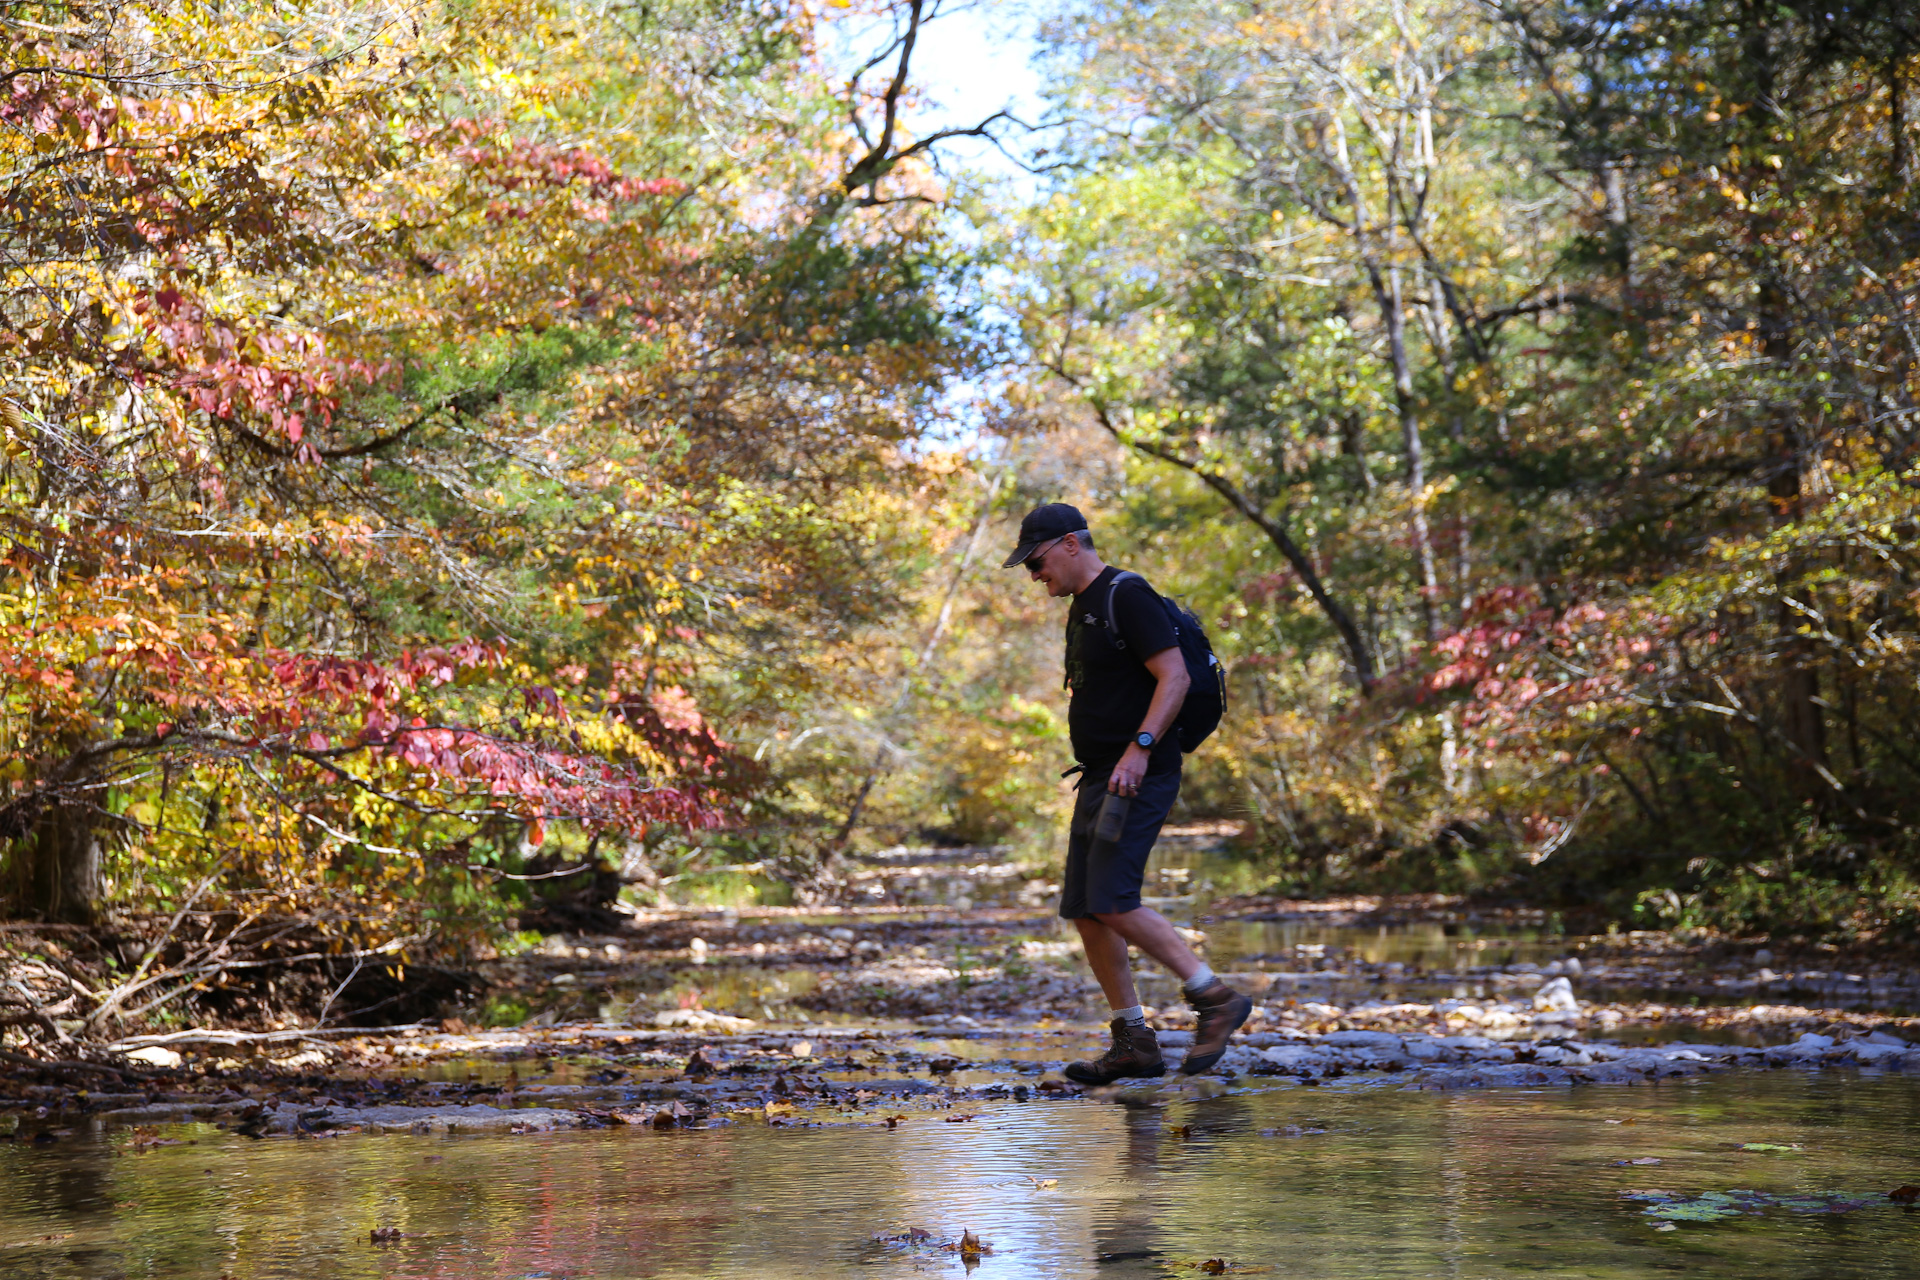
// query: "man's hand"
[[1125, 779]]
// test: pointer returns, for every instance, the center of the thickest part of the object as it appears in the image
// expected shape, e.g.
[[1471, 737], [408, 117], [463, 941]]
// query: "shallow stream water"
[[1367, 1181]]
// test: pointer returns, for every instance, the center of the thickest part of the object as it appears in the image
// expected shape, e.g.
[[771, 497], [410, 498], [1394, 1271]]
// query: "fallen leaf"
[[893, 1122], [1182, 1132], [1043, 1184], [1666, 1226], [970, 1246], [961, 1119], [381, 1235], [1214, 1266], [1904, 1195], [778, 1109], [1771, 1146]]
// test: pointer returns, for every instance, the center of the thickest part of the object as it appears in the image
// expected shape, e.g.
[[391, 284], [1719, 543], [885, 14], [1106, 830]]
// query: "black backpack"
[[1206, 678]]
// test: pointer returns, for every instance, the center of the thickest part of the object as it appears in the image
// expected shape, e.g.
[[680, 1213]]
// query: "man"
[[1128, 681]]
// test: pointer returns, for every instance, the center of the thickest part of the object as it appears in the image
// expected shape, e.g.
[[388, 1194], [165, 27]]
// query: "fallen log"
[[193, 1036]]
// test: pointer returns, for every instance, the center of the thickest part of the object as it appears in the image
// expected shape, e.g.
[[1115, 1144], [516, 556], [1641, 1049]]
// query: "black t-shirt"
[[1112, 687]]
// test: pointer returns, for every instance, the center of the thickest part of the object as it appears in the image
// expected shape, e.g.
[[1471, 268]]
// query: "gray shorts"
[[1107, 881]]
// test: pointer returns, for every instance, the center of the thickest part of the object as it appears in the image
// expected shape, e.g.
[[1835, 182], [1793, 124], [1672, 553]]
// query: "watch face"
[[1145, 739]]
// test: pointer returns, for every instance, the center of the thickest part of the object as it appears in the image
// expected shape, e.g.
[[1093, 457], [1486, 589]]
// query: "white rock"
[[1556, 996], [1763, 956], [311, 1058], [703, 1020], [1766, 975], [156, 1055], [1572, 965], [962, 1020], [1812, 1041], [840, 935], [1881, 1037]]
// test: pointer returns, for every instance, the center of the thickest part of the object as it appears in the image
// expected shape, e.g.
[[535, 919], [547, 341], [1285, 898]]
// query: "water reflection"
[[1311, 1182]]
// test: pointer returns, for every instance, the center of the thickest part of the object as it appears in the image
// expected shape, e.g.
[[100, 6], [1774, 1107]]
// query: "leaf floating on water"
[[1665, 1226], [970, 1246], [1182, 1132], [893, 1122], [1709, 1206], [1904, 1195], [1044, 1184], [1771, 1146], [1211, 1266], [384, 1235], [962, 1119]]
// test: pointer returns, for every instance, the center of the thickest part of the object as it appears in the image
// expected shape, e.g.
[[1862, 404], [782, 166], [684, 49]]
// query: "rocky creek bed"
[[535, 1080]]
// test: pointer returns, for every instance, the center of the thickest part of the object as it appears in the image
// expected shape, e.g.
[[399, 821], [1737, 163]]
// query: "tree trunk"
[[1387, 292], [56, 867]]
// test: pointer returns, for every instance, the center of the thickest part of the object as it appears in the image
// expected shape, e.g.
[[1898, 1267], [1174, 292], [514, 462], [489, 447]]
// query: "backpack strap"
[[1113, 625]]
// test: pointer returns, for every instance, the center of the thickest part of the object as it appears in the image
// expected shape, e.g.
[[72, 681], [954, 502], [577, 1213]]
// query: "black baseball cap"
[[1043, 525]]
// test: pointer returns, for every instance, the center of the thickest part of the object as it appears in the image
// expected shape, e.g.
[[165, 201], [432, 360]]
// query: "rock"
[[1865, 1051], [1381, 1040], [156, 1055], [1812, 1041], [1173, 1039], [302, 1061], [1556, 996], [1293, 1058], [840, 935], [1766, 975], [1763, 956], [1572, 965], [702, 1020], [698, 950], [1881, 1037]]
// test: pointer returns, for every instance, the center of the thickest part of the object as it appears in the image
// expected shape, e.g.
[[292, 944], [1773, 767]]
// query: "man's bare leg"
[[1150, 931], [1107, 957], [1135, 1051], [1220, 1010]]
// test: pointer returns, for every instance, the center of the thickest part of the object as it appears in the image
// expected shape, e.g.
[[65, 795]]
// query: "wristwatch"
[[1145, 739]]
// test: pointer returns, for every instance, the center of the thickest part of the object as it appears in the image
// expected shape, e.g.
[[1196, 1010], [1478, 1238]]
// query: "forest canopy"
[[461, 449]]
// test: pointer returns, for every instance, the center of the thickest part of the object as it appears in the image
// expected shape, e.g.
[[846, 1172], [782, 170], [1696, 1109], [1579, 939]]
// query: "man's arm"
[[1169, 669]]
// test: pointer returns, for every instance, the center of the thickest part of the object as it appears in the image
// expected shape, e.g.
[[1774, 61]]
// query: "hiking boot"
[[1221, 1010], [1135, 1053]]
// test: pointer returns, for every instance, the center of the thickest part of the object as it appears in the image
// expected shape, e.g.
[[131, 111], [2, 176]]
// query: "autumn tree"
[[420, 424]]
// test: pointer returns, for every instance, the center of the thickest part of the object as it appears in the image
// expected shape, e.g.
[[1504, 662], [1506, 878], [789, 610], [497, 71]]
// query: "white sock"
[[1133, 1015], [1202, 979]]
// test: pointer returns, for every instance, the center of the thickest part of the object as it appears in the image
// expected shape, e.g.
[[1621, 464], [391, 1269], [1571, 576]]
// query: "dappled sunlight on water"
[[1397, 1184]]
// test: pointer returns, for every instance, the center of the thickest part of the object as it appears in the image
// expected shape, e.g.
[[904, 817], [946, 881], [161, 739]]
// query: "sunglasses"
[[1032, 563]]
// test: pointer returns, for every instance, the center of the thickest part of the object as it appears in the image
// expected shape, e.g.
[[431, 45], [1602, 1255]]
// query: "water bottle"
[[1112, 819]]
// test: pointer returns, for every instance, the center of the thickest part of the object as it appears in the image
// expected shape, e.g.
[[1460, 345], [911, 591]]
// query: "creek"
[[1364, 1180]]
